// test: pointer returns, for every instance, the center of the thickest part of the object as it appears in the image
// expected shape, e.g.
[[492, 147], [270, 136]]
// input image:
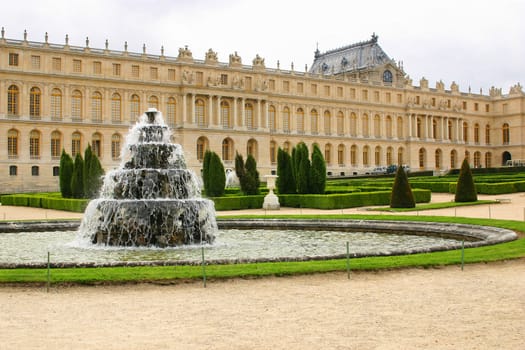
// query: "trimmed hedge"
[[443, 187], [238, 202], [47, 202]]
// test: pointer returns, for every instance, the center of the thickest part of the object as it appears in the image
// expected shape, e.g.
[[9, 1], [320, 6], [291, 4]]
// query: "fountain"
[[152, 199]]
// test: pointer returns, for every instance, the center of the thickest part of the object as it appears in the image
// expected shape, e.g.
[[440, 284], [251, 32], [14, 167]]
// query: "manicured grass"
[[430, 206], [167, 274]]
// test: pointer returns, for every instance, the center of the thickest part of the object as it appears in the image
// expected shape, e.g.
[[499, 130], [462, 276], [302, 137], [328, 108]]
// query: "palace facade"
[[358, 105]]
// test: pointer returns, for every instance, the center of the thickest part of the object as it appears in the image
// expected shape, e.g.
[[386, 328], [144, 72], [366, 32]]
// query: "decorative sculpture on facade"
[[211, 57]]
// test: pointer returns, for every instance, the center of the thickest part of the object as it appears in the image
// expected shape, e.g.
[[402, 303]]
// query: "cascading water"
[[152, 199]]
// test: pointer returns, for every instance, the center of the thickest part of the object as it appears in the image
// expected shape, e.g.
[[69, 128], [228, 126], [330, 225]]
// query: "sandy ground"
[[482, 307]]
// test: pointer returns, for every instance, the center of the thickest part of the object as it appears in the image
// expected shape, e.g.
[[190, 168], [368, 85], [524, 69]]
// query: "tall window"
[[225, 119], [286, 120], [115, 146], [400, 155], [476, 133], [327, 123], [134, 107], [465, 131], [34, 144], [353, 124], [353, 155], [365, 125], [377, 126], [488, 160], [57, 64], [96, 144], [77, 66], [450, 129], [422, 158], [273, 152], [202, 146], [366, 156], [314, 119], [248, 112], [76, 105], [96, 107], [34, 102], [434, 129], [251, 148], [56, 104], [377, 156], [227, 149], [388, 127], [56, 144], [153, 102], [13, 59], [12, 143], [116, 108], [340, 124], [300, 121], [116, 69], [272, 118], [453, 159], [389, 156], [328, 153], [487, 134], [171, 111], [438, 158], [477, 159], [341, 155], [400, 133], [419, 127], [97, 67], [506, 134], [12, 100], [200, 113], [287, 147], [76, 140]]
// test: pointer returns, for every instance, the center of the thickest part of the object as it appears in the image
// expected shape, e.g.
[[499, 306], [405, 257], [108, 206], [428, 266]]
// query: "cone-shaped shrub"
[[252, 181], [64, 174], [401, 196], [285, 180], [216, 177], [465, 188], [206, 171], [77, 180], [317, 172], [302, 172]]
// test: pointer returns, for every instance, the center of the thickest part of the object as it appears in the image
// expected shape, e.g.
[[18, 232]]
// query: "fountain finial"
[[151, 113]]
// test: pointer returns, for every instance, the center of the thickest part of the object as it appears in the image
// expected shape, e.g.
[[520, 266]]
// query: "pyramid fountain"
[[152, 199]]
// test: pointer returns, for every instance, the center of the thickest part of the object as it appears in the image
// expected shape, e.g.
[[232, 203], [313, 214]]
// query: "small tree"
[[65, 174], [96, 175], [401, 196], [465, 188], [317, 172], [252, 181], [88, 154], [216, 177], [285, 180], [77, 182], [206, 170], [302, 173]]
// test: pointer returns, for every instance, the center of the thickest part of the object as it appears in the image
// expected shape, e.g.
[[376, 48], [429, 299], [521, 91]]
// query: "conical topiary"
[[401, 196], [465, 188]]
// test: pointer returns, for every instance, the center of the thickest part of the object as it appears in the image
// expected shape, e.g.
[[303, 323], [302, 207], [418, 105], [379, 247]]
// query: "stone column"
[[193, 116], [184, 109], [210, 110]]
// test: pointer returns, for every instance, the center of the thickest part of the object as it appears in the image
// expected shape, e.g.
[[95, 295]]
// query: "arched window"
[[13, 100], [34, 144], [327, 123], [116, 108], [286, 119], [171, 112], [387, 76], [134, 107], [377, 156], [434, 129], [487, 134], [272, 119], [314, 122], [225, 118], [400, 156], [96, 107], [467, 156], [251, 149], [76, 143], [249, 118], [96, 144], [56, 144], [365, 125], [12, 143], [438, 158], [488, 160], [76, 105], [400, 133], [273, 152], [153, 102], [34, 102], [328, 154], [506, 134], [56, 104], [422, 158], [341, 155], [340, 124], [227, 149], [476, 133], [477, 159], [202, 147], [353, 124], [353, 155], [453, 159], [116, 140], [388, 127], [300, 121], [389, 156], [377, 126], [465, 131], [200, 113], [366, 156], [287, 147]]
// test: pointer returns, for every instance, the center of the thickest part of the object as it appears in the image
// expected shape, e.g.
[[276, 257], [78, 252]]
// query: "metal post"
[[462, 254], [48, 272], [203, 267], [348, 259], [490, 214]]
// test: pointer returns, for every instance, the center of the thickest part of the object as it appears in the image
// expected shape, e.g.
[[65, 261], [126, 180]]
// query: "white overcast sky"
[[477, 43]]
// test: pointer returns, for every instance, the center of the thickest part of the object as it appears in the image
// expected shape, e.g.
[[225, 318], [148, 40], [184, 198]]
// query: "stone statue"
[[258, 61], [516, 89], [235, 59], [211, 56], [185, 53], [440, 85]]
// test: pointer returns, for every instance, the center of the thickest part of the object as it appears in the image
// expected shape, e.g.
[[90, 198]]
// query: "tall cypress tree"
[[206, 171], [317, 172], [401, 195], [302, 178], [285, 180], [65, 173], [86, 179], [252, 181], [77, 179], [465, 188], [216, 176]]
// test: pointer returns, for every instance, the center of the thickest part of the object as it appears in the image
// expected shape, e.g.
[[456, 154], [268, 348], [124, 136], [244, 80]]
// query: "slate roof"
[[358, 56]]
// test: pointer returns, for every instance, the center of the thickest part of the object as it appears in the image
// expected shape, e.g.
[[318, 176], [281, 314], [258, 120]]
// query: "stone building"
[[356, 103]]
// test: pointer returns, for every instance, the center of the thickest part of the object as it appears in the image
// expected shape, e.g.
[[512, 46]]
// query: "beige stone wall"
[[425, 123]]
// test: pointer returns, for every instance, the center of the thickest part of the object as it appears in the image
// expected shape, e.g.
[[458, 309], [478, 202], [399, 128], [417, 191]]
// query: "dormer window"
[[387, 76], [324, 67]]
